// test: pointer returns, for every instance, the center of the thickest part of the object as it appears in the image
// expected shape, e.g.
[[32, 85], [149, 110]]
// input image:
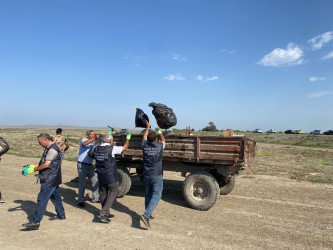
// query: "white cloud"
[[328, 56], [213, 78], [201, 78], [228, 51], [319, 94], [179, 58], [316, 78], [282, 57], [318, 41], [171, 77]]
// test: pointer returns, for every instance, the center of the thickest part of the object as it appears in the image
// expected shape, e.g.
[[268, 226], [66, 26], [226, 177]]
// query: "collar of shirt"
[[105, 144]]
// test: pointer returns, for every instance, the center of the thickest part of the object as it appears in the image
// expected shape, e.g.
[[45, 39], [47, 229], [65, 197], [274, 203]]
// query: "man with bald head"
[[106, 170]]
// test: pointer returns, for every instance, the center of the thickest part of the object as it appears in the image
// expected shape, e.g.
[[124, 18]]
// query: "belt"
[[85, 163]]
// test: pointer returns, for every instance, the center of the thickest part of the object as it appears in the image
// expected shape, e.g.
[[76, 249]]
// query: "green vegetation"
[[210, 127], [297, 156]]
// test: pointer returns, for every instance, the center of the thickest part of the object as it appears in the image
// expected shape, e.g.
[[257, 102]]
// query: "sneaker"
[[109, 215], [145, 220], [103, 218], [95, 201], [151, 217], [31, 225], [56, 217], [81, 204], [2, 200]]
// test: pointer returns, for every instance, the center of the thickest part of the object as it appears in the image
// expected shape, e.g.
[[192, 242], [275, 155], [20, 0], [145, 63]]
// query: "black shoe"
[[151, 217], [145, 220], [81, 204], [31, 225], [56, 217], [109, 215], [103, 218]]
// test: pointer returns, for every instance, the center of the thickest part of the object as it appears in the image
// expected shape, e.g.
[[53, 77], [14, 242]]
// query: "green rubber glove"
[[158, 131], [110, 131], [28, 170], [128, 136]]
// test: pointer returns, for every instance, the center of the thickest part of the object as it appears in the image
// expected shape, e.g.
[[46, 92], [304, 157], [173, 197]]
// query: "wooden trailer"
[[209, 164]]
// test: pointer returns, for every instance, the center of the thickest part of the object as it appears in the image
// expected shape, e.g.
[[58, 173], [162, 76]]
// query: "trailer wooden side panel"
[[213, 149]]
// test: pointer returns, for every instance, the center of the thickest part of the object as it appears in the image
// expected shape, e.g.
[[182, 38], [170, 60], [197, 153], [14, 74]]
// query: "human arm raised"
[[87, 142], [159, 132], [145, 134], [128, 138]]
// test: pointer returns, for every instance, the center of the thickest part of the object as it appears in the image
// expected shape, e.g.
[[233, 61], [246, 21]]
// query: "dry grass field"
[[297, 156], [285, 204]]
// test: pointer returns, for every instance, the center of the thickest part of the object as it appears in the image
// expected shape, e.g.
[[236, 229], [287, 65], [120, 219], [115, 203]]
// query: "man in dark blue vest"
[[106, 169], [152, 171], [49, 169]]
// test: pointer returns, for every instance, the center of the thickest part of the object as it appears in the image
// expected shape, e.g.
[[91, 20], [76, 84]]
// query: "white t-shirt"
[[117, 150]]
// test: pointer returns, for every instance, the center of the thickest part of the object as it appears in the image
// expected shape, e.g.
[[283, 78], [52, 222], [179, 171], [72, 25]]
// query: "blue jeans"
[[46, 194], [154, 188], [85, 170]]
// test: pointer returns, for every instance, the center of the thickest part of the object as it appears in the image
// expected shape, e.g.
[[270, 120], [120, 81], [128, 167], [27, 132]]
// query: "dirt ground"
[[263, 212]]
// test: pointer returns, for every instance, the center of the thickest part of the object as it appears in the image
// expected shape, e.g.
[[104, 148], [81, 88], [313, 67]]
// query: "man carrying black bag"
[[152, 171]]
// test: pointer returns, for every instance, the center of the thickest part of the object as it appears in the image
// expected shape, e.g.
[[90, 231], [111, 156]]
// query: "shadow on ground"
[[172, 191], [28, 207], [69, 195]]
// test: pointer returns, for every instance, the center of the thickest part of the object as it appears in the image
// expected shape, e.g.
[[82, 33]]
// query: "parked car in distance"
[[272, 131], [298, 131], [328, 132], [257, 130], [317, 132], [289, 131]]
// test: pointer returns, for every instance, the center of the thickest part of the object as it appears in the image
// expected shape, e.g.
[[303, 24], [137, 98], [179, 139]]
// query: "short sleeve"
[[51, 155], [117, 150], [144, 142]]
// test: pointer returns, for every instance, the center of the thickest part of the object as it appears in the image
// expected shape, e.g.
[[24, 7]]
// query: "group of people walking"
[[105, 185]]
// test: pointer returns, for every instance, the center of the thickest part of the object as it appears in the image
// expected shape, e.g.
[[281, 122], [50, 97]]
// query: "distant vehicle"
[[298, 131], [289, 131], [272, 131], [328, 132], [317, 132], [257, 130]]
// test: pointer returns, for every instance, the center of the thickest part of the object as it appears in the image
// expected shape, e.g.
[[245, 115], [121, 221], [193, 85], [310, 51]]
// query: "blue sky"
[[241, 64]]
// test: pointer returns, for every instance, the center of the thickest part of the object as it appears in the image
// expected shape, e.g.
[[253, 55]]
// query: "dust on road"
[[263, 212]]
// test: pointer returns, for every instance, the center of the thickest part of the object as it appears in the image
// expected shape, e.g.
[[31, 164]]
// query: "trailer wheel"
[[226, 188], [201, 190], [125, 181]]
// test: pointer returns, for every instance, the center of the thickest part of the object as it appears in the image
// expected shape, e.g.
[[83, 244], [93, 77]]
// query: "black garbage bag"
[[141, 118], [4, 147], [164, 115]]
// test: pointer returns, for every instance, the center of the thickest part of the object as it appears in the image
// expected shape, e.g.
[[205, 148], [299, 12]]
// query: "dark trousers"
[[46, 194], [107, 194]]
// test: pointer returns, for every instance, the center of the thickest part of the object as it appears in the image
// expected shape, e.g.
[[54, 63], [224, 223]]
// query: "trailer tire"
[[125, 181], [201, 190], [227, 188]]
